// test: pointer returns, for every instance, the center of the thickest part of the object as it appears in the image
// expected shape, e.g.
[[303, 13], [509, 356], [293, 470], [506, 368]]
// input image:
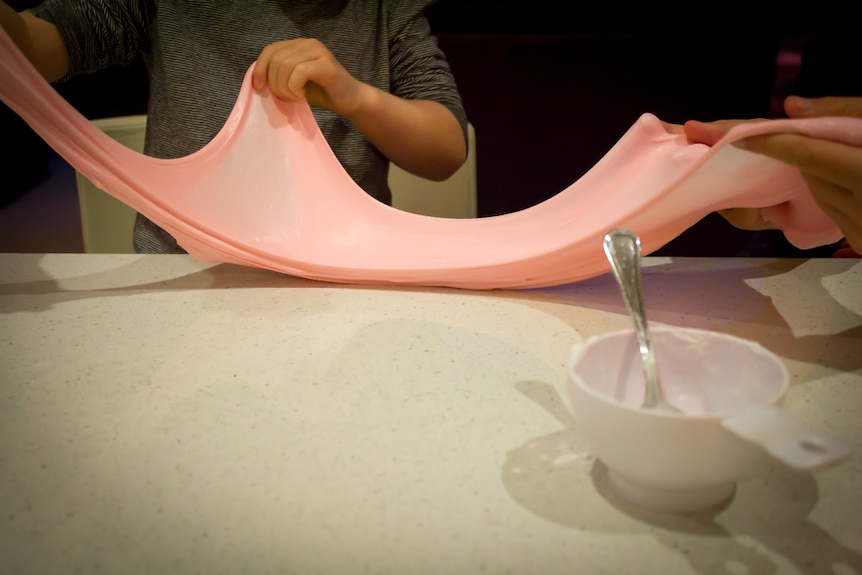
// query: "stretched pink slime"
[[268, 192]]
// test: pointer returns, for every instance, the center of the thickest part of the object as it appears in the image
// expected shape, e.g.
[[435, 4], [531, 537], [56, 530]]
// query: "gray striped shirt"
[[198, 52]]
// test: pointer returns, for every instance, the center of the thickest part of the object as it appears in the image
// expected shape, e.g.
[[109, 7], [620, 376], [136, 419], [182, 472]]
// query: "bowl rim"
[[579, 349]]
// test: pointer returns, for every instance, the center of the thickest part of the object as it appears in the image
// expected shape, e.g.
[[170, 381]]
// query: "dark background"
[[550, 88]]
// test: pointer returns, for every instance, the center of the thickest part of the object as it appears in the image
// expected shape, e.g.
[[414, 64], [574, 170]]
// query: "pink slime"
[[268, 192]]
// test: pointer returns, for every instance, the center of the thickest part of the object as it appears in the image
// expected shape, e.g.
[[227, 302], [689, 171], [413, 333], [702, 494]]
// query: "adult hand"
[[832, 170], [305, 68], [710, 133]]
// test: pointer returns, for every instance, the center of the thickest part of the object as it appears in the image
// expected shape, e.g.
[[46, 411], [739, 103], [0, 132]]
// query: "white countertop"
[[164, 415]]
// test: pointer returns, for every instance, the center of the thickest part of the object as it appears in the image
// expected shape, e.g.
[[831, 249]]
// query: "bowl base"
[[670, 500]]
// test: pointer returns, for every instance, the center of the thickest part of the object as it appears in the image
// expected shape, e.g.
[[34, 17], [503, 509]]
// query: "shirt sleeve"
[[419, 69], [99, 33]]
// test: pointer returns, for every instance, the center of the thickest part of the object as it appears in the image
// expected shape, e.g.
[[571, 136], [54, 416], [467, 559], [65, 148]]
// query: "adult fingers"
[[842, 205], [673, 128], [835, 162], [709, 132], [746, 219], [797, 107]]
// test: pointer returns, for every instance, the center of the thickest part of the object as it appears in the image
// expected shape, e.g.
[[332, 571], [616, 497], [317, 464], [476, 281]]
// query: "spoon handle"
[[623, 248]]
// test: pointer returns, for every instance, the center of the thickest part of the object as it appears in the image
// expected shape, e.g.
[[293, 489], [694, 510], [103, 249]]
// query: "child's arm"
[[38, 39]]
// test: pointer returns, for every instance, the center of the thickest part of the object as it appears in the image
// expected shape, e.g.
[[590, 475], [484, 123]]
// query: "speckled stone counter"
[[164, 415]]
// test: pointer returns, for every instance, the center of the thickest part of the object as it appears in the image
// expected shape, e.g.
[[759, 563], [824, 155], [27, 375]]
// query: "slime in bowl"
[[727, 388], [268, 192]]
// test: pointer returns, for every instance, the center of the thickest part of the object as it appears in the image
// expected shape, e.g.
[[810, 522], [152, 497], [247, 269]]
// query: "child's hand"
[[305, 68]]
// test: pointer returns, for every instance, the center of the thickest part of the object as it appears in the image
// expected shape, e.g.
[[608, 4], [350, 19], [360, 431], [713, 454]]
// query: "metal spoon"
[[623, 250]]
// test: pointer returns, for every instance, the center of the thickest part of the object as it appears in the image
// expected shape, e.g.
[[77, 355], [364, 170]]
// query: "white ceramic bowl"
[[667, 461]]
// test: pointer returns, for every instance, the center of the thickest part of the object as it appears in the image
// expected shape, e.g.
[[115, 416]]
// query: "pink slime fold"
[[268, 192]]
